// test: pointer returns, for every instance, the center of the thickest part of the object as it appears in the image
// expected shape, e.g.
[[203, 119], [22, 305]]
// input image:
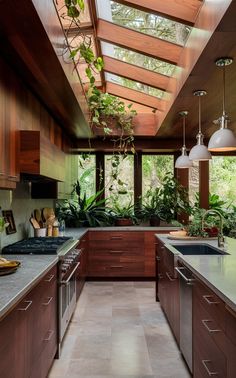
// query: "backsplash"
[[20, 202]]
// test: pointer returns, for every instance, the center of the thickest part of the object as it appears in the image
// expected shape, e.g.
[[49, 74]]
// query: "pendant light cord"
[[199, 115], [224, 90], [184, 131]]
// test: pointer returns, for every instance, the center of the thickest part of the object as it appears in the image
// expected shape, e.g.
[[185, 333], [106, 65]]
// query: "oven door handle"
[[72, 273]]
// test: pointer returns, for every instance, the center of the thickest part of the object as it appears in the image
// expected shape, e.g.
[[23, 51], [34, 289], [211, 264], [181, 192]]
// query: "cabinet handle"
[[71, 275], [160, 276], [12, 177], [189, 281], [170, 278], [29, 303], [210, 373], [49, 301], [206, 297], [162, 247], [204, 322], [116, 252], [158, 258], [116, 266], [50, 336], [116, 238], [2, 174], [50, 278]]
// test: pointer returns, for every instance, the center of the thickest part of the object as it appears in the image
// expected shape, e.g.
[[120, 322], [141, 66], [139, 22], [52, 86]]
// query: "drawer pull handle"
[[204, 322], [12, 177], [169, 277], [162, 247], [116, 238], [210, 373], [29, 303], [158, 258], [49, 301], [116, 252], [116, 266], [50, 278], [160, 276], [207, 299], [50, 333]]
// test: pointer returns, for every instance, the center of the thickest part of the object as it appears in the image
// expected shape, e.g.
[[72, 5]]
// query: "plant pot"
[[154, 221], [124, 222]]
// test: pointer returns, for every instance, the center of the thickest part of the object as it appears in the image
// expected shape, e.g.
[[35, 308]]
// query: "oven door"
[[67, 300]]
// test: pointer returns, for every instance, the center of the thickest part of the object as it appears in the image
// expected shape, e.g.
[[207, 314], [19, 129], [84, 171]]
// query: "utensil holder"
[[40, 232]]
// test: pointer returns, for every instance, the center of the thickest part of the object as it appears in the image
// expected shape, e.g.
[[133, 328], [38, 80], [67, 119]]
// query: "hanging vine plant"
[[106, 110]]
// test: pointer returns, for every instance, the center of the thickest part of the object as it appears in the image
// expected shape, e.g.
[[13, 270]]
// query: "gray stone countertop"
[[217, 271], [79, 232], [14, 286]]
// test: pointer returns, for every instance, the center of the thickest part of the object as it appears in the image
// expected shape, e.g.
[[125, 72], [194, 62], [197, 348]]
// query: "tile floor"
[[117, 331]]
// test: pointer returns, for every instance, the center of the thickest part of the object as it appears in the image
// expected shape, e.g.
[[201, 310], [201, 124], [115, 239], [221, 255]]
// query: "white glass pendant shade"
[[183, 160], [199, 152], [224, 138]]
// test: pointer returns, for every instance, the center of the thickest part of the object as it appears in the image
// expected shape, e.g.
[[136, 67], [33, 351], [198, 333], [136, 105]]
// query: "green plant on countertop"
[[84, 211], [119, 211], [105, 109], [229, 226]]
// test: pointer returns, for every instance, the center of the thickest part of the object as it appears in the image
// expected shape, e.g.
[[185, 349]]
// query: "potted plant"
[[123, 215], [84, 211], [150, 208]]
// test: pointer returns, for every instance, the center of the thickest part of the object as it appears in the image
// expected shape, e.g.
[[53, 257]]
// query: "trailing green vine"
[[105, 109]]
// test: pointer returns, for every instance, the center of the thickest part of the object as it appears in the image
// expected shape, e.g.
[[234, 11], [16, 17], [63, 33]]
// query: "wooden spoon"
[[34, 223]]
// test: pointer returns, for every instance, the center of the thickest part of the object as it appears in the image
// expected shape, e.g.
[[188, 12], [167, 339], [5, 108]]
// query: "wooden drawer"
[[211, 302], [117, 269], [128, 236], [208, 359], [116, 244], [115, 253], [207, 326]]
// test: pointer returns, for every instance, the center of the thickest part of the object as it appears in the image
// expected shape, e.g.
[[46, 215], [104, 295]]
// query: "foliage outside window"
[[87, 174], [119, 179], [154, 170], [223, 178], [193, 181]]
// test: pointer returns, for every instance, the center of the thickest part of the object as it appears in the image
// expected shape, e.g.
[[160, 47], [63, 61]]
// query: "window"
[[193, 181], [87, 173], [223, 178], [119, 179], [154, 169]]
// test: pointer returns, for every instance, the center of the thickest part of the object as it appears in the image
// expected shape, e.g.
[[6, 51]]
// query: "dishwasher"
[[186, 281]]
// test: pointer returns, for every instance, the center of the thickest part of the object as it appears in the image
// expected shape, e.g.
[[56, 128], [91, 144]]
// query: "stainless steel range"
[[68, 265]]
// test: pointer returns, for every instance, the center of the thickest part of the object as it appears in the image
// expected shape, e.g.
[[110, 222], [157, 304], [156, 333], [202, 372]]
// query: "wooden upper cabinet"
[[38, 156]]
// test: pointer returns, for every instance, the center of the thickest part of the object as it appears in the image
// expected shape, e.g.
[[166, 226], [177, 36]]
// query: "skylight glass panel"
[[135, 85], [149, 23], [138, 59]]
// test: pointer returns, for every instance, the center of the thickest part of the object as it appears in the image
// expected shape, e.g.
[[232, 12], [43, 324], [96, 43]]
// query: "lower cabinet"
[[122, 253], [28, 334], [214, 331], [167, 289]]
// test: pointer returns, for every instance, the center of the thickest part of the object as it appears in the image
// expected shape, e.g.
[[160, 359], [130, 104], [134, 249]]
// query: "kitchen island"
[[200, 303]]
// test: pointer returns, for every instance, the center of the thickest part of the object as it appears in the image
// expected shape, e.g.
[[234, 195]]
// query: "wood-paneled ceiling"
[[39, 60], [212, 35]]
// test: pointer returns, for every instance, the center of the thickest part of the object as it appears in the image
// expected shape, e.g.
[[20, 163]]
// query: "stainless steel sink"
[[198, 249]]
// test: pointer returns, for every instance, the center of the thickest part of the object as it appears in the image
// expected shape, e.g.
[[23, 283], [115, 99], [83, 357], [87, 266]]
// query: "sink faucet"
[[220, 234]]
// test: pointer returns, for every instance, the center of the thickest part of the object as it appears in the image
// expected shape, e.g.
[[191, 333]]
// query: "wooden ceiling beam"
[[132, 72], [181, 11], [142, 43], [135, 96]]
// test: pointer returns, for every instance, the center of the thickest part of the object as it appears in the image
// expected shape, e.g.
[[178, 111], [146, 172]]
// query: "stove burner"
[[47, 246]]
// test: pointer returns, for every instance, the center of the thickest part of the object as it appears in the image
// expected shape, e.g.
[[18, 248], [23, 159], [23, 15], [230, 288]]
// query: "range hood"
[[39, 159]]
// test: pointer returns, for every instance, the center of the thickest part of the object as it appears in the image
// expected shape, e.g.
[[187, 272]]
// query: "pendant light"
[[200, 151], [224, 138], [183, 160]]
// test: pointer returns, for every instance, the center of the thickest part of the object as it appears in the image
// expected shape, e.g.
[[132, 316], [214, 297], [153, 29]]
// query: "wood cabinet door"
[[8, 347]]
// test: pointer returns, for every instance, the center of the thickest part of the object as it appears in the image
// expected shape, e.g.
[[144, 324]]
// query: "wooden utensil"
[[47, 212], [37, 215], [34, 223]]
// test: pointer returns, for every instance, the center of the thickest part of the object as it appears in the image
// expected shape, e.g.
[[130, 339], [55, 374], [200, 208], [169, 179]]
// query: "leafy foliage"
[[123, 211], [85, 211]]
